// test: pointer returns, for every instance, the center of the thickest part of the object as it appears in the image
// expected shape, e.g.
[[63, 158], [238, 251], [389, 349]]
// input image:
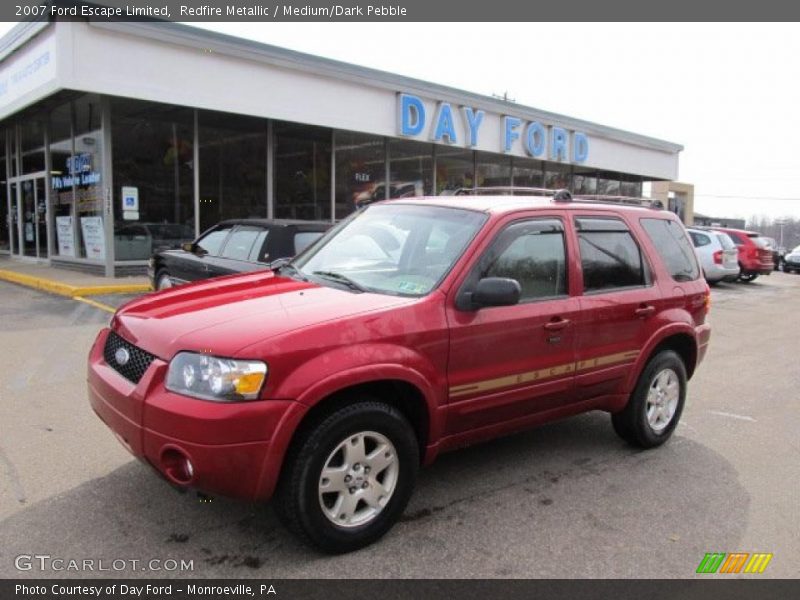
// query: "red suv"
[[755, 255], [411, 328]]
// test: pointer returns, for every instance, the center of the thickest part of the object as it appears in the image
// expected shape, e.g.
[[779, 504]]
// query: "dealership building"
[[117, 138]]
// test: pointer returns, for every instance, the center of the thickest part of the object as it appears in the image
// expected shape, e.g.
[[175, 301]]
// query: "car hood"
[[223, 315]]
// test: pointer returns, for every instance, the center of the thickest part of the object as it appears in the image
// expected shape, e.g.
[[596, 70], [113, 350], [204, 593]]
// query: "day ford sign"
[[461, 126]]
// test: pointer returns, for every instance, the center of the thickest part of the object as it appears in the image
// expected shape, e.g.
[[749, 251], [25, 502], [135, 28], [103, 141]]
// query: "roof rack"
[[505, 190], [612, 199], [560, 195]]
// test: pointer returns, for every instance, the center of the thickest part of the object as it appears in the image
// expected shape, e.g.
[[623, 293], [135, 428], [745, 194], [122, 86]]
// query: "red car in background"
[[755, 256]]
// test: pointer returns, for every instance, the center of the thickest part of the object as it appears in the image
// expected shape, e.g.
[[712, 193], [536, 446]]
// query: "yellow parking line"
[[96, 304]]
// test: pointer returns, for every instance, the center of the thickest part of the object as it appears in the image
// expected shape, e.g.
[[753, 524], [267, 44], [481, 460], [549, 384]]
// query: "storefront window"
[[32, 144], [153, 177], [528, 173], [5, 234], [455, 170], [493, 170], [584, 182], [557, 176], [233, 167], [302, 172], [410, 169], [85, 167], [360, 171], [608, 184], [62, 181], [632, 187]]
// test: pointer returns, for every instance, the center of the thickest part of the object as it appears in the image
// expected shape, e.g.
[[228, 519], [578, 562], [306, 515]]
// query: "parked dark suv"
[[412, 328], [233, 246]]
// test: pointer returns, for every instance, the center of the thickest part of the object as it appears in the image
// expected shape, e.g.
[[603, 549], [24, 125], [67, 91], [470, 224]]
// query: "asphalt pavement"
[[564, 500]]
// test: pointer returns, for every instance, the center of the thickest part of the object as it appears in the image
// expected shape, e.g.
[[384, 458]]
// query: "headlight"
[[213, 378]]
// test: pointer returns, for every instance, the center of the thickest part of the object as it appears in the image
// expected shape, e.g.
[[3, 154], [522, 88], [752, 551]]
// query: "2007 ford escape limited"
[[411, 328]]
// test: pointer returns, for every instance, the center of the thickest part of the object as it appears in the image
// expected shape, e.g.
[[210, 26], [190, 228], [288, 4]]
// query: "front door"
[[33, 209], [509, 362]]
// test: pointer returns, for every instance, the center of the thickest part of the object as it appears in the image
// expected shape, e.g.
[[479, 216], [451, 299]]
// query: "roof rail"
[[505, 190], [612, 199]]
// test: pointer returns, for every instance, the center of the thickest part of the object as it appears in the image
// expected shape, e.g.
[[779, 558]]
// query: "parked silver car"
[[791, 261], [717, 254]]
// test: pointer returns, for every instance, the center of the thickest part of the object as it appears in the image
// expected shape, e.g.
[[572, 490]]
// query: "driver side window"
[[533, 253]]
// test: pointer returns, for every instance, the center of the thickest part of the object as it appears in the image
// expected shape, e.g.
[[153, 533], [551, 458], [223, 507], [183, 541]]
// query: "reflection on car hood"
[[226, 314]]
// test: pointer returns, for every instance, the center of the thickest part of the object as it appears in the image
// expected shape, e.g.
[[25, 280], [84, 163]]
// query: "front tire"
[[348, 479], [656, 404]]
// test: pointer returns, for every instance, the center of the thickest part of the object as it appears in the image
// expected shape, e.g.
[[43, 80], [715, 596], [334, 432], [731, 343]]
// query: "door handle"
[[645, 310], [556, 324]]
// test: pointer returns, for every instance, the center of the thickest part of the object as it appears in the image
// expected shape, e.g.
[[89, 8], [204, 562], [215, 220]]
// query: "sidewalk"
[[65, 282]]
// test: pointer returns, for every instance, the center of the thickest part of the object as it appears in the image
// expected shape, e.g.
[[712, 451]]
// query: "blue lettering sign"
[[558, 143], [444, 125], [535, 139], [510, 133], [412, 115], [474, 118], [580, 147]]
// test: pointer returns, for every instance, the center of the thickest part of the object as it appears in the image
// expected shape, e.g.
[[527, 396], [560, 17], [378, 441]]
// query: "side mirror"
[[496, 291], [188, 247]]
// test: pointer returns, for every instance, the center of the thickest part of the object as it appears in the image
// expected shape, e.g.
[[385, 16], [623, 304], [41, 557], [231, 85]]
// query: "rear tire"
[[656, 404], [369, 452]]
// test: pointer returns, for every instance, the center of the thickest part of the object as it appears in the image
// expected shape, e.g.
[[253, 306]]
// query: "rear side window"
[[610, 257], [212, 241], [304, 239], [532, 253], [673, 247], [699, 239], [725, 241]]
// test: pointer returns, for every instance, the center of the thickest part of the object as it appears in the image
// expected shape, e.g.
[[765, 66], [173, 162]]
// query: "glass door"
[[33, 207]]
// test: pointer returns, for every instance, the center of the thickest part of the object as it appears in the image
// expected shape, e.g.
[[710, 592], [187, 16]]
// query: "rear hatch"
[[730, 255], [763, 249]]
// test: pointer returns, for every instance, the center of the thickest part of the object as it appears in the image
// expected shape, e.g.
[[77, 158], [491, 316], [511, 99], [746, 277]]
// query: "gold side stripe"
[[540, 374]]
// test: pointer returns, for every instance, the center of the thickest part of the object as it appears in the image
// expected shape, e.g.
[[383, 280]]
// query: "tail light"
[[752, 251], [718, 257]]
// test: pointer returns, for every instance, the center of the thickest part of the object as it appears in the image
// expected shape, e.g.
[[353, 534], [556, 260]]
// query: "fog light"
[[177, 466]]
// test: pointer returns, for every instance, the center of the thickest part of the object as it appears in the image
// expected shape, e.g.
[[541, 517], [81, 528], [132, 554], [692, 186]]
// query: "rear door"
[[619, 301]]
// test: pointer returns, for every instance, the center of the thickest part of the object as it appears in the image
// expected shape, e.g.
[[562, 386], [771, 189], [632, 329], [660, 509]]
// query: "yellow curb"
[[96, 304], [64, 289]]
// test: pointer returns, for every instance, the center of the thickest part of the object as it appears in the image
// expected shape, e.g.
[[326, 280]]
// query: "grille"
[[139, 360]]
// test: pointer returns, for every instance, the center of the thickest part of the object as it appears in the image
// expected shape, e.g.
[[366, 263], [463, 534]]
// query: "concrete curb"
[[71, 291]]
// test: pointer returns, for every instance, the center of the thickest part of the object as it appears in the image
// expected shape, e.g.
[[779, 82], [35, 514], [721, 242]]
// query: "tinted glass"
[[240, 243], [609, 255], [304, 239], [212, 241], [675, 251], [533, 254], [735, 238], [699, 239]]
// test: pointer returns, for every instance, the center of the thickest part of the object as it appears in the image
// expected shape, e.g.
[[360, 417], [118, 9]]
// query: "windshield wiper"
[[338, 277]]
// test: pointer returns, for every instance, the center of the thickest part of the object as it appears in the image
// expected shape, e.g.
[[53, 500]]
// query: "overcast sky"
[[728, 93]]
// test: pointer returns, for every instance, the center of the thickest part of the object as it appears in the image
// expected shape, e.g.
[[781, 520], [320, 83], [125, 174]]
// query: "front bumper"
[[228, 444]]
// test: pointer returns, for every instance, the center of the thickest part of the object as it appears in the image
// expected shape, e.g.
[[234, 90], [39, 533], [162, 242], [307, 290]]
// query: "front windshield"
[[398, 249]]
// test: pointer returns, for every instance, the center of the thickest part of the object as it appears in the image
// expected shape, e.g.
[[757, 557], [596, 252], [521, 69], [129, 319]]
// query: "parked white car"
[[791, 261], [717, 254]]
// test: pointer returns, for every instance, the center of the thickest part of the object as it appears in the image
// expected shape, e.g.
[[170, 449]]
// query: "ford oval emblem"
[[122, 356]]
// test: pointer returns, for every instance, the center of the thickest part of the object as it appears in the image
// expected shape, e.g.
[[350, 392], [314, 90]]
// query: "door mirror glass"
[[496, 291], [188, 247]]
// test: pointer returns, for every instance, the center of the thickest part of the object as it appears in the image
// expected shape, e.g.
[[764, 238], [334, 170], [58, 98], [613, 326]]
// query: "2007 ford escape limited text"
[[411, 328]]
